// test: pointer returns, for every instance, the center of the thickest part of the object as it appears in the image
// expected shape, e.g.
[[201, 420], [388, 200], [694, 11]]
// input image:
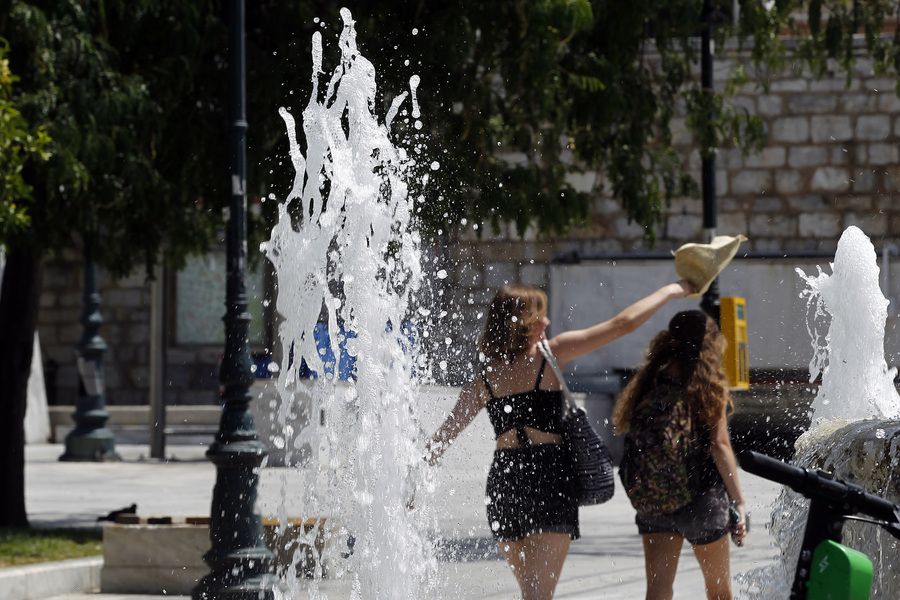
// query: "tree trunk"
[[19, 297]]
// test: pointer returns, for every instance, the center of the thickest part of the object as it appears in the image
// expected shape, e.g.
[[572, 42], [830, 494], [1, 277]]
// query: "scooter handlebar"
[[847, 497]]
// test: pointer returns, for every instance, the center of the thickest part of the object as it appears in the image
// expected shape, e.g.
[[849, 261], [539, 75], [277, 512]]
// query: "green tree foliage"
[[517, 96], [19, 144], [115, 85], [819, 34], [124, 101]]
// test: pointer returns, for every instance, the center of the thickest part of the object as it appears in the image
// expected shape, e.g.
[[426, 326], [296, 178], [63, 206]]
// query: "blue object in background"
[[346, 364], [261, 362]]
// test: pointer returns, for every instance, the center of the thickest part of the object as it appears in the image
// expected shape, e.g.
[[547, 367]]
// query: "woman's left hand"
[[738, 529]]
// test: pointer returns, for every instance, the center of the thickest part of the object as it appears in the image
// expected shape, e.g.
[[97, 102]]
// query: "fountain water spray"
[[345, 254], [850, 414], [856, 381]]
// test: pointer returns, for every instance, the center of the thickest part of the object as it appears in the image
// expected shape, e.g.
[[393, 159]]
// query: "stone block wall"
[[191, 372]]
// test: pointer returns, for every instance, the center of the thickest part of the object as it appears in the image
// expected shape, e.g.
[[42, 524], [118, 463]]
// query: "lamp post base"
[[240, 563], [98, 445]]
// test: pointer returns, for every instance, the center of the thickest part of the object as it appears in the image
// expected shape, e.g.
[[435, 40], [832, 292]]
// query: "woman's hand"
[[686, 288], [738, 528]]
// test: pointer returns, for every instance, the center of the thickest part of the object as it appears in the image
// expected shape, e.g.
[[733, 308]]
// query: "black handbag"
[[593, 464]]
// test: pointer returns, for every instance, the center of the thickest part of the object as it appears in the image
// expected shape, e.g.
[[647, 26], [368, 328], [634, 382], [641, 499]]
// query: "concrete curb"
[[44, 580]]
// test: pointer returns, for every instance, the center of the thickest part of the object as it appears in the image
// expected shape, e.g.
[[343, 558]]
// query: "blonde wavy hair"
[[513, 315], [694, 342]]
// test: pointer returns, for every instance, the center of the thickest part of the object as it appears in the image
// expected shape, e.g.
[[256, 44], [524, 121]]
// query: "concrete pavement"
[[607, 562]]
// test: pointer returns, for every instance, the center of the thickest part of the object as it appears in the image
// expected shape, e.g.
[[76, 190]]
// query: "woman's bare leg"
[[714, 563], [661, 553], [537, 561]]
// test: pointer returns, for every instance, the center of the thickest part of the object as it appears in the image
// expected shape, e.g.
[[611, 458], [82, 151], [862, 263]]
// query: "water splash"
[[856, 381], [346, 254], [856, 393]]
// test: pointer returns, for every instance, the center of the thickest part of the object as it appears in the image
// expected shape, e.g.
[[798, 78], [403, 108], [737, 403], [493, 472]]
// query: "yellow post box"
[[734, 326]]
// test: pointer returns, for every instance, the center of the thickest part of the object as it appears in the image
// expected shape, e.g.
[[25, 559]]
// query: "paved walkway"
[[607, 562]]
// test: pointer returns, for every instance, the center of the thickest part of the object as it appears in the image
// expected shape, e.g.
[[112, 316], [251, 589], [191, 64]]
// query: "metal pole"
[[91, 439], [710, 303], [239, 561], [157, 365]]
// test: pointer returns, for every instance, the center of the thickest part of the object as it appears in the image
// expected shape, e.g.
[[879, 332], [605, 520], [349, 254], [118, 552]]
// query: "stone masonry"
[[191, 372]]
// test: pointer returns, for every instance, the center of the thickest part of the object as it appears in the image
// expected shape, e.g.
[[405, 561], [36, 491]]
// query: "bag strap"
[[544, 347]]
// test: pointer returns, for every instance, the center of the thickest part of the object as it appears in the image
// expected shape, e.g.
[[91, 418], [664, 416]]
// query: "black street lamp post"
[[239, 561], [91, 439], [710, 303]]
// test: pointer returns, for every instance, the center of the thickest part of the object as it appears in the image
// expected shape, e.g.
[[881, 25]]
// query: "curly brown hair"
[[695, 344], [512, 316]]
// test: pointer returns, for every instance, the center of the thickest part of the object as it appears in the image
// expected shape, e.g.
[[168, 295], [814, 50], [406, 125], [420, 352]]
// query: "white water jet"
[[345, 252], [856, 381], [850, 413]]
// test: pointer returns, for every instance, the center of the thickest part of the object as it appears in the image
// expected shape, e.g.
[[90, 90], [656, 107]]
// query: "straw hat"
[[699, 264]]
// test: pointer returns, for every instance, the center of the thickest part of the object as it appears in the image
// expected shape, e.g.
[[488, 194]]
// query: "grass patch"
[[29, 546]]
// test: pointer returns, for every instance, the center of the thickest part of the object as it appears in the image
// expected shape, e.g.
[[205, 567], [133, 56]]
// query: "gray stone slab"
[[155, 546], [159, 581], [34, 582]]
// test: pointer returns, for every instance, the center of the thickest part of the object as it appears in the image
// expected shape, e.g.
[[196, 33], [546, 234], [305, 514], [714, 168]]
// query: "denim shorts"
[[703, 521]]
